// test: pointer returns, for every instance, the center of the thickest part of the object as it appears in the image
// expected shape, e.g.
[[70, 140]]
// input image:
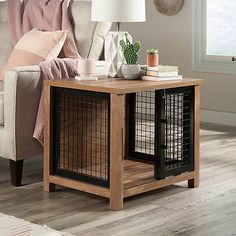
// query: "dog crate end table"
[[117, 138]]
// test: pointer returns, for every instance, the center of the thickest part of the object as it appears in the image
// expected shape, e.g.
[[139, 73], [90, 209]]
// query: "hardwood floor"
[[176, 210]]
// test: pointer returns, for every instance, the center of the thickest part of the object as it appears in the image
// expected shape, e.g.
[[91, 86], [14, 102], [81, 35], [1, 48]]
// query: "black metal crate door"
[[161, 130], [174, 142], [81, 125]]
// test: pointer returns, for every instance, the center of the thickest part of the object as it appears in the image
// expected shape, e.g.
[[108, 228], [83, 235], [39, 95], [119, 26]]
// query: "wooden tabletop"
[[122, 86]]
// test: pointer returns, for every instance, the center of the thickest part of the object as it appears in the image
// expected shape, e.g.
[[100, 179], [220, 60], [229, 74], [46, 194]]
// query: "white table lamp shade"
[[118, 10]]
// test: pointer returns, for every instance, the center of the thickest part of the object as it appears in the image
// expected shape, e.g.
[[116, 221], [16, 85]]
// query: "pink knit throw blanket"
[[46, 15], [51, 70]]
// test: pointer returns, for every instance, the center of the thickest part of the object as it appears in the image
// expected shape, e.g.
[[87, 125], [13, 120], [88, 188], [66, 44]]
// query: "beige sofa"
[[19, 98]]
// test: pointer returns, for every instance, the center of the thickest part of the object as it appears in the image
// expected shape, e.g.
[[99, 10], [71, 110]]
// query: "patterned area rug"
[[11, 226]]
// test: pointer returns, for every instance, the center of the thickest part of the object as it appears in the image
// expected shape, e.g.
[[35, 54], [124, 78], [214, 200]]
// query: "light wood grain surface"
[[122, 86], [48, 187], [175, 210]]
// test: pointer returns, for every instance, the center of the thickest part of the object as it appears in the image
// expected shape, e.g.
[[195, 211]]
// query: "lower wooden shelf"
[[138, 178], [137, 173]]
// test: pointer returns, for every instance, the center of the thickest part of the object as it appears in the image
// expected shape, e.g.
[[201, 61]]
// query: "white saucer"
[[82, 78]]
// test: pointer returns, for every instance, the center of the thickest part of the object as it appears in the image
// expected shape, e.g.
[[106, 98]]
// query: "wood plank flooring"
[[175, 210]]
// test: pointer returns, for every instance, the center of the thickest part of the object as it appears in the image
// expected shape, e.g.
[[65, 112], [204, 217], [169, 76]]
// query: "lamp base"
[[113, 53]]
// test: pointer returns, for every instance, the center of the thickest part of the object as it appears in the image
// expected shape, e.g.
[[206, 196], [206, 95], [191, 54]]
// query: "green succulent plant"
[[130, 50], [152, 51]]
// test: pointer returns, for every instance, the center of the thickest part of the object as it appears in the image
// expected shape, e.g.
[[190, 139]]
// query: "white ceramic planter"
[[130, 71], [114, 55]]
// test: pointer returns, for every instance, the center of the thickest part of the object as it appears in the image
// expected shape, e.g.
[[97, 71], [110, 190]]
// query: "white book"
[[160, 68], [159, 79], [162, 74]]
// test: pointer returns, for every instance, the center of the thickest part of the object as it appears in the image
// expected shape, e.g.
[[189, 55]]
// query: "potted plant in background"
[[131, 68], [152, 57]]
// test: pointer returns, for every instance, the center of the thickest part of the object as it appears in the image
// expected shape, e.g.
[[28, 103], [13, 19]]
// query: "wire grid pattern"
[[83, 121], [145, 122], [177, 133]]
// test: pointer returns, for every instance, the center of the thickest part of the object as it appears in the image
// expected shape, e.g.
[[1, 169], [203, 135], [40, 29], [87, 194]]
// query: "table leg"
[[193, 183], [48, 187], [117, 122]]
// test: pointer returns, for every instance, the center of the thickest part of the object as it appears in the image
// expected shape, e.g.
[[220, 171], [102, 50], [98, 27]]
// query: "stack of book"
[[160, 73]]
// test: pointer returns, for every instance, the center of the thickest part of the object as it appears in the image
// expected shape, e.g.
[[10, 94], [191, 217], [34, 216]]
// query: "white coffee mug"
[[86, 67]]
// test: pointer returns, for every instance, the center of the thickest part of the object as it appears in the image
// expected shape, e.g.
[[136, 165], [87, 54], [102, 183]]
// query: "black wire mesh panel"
[[174, 111], [142, 126], [161, 130], [81, 135]]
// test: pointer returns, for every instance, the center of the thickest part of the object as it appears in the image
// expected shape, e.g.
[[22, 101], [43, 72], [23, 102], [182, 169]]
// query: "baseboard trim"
[[215, 117]]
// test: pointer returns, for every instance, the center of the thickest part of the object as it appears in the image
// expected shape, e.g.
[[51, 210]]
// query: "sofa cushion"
[[89, 35], [1, 103], [5, 36], [34, 47]]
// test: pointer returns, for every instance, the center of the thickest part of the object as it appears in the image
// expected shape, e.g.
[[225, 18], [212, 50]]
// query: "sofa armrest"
[[22, 91]]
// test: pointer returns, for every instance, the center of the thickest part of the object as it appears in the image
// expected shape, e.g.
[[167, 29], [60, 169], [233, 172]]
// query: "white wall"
[[172, 35]]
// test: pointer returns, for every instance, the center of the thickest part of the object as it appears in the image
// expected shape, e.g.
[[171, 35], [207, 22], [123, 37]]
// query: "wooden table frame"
[[118, 89]]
